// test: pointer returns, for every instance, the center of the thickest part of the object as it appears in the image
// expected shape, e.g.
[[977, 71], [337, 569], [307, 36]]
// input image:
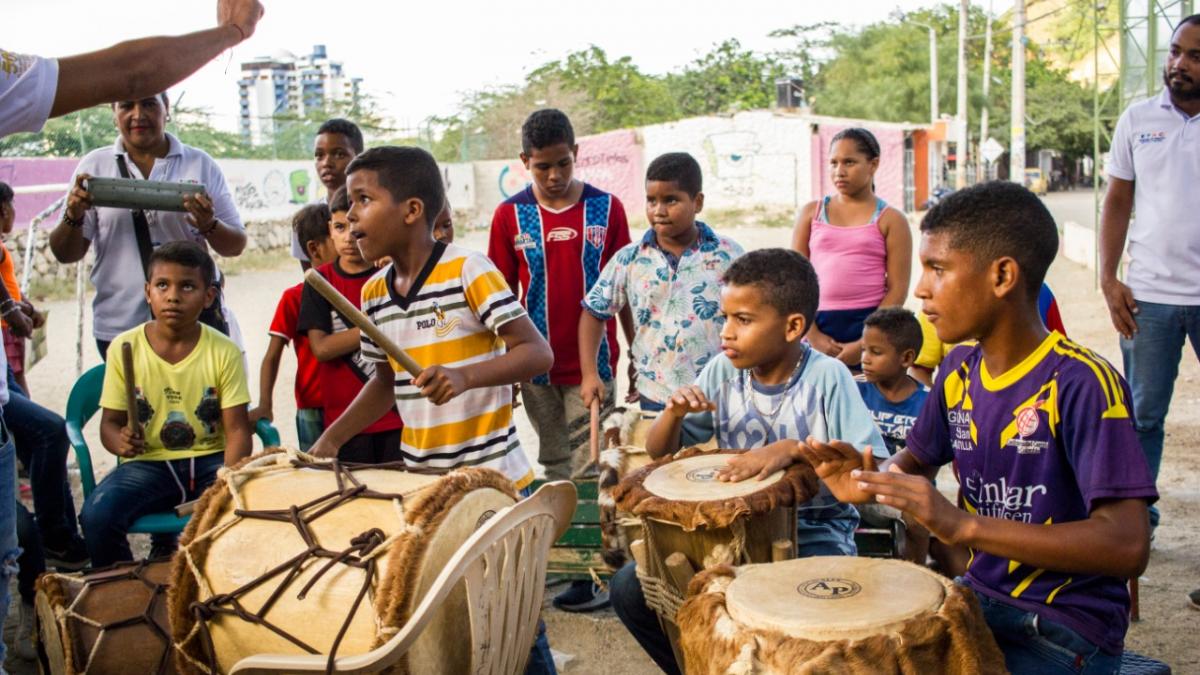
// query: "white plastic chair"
[[504, 566]]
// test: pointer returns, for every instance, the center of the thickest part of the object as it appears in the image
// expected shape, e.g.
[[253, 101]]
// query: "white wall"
[[751, 159]]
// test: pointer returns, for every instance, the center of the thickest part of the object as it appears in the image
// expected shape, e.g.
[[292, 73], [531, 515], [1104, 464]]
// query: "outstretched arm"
[[145, 67], [1114, 539]]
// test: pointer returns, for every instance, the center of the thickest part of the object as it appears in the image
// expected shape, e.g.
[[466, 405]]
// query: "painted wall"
[[22, 172], [611, 161], [889, 178], [751, 159]]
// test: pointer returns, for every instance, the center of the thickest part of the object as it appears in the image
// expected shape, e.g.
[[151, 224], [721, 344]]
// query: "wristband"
[[73, 222]]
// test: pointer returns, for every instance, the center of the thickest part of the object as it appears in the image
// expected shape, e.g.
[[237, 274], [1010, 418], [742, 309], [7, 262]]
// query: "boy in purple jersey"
[[1055, 488]]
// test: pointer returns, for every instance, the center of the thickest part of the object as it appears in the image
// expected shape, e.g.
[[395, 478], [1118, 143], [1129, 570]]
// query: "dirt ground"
[[596, 643]]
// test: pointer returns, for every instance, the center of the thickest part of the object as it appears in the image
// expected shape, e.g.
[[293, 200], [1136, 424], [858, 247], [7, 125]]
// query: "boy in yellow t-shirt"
[[191, 391]]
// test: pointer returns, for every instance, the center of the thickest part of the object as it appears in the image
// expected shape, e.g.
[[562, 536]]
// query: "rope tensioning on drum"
[[362, 553], [661, 595], [134, 573]]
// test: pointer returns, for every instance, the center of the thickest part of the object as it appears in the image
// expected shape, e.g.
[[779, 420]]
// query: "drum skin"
[[224, 550], [833, 615]]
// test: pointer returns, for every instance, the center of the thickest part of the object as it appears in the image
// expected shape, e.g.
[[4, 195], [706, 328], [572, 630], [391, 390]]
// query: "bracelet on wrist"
[[73, 222]]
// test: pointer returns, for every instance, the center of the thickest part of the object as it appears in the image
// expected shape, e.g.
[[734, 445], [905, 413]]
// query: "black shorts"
[[376, 448]]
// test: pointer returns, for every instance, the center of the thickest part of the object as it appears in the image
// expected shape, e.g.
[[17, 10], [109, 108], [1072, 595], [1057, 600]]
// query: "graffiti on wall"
[[269, 190], [737, 168], [611, 161]]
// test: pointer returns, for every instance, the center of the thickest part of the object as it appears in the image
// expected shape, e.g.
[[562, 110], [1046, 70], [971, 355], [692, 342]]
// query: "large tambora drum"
[[112, 620], [834, 615], [692, 520], [289, 555]]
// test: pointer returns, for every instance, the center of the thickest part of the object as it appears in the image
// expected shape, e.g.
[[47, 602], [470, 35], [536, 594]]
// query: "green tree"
[[728, 78], [72, 135], [620, 95]]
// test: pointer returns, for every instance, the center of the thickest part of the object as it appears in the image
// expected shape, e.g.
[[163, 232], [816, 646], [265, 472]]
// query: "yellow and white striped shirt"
[[450, 318]]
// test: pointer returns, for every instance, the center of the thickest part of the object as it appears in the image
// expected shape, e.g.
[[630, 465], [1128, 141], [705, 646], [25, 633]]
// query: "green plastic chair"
[[82, 404]]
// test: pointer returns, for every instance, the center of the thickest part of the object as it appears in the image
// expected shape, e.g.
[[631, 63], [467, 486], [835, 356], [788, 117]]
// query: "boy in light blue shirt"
[[765, 393]]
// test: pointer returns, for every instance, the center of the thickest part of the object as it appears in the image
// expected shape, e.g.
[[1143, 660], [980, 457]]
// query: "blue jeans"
[[541, 662], [1036, 645], [310, 423], [1151, 362], [40, 436], [628, 601], [9, 551], [32, 560], [135, 489]]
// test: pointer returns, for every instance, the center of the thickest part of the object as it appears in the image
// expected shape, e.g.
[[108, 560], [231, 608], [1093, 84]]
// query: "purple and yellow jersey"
[[1040, 444]]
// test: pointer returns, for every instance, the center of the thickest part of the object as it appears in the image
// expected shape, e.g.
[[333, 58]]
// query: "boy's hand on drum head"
[[131, 444], [758, 463], [834, 463], [689, 399]]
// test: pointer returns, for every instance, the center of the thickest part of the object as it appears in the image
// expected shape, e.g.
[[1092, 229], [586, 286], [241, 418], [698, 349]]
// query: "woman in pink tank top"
[[860, 247]]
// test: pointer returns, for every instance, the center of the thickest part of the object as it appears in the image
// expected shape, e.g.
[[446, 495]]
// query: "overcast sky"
[[417, 57]]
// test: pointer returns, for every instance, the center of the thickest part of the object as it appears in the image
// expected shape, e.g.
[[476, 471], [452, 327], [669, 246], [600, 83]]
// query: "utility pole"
[[960, 116], [987, 81], [1016, 153], [933, 76]]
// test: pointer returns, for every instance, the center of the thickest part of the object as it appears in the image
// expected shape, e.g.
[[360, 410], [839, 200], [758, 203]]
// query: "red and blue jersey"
[[554, 258], [1041, 444]]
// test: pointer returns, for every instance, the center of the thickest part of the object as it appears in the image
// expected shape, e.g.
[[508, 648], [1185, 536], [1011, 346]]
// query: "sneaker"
[[70, 558], [1194, 599], [23, 643], [582, 596]]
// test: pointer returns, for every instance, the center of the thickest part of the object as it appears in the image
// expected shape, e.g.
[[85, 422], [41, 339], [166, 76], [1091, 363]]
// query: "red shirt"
[[554, 258], [284, 325], [342, 378]]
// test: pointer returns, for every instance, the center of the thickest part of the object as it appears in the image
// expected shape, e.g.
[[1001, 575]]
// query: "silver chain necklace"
[[748, 390]]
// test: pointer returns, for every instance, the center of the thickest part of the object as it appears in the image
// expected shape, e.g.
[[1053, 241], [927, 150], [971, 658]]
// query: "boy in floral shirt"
[[671, 279]]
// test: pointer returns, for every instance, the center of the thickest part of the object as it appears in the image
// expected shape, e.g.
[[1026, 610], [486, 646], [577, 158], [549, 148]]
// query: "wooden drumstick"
[[131, 406], [313, 278], [595, 439]]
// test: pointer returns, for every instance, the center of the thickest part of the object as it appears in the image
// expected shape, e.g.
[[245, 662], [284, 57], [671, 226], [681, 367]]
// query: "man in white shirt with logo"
[[1155, 167]]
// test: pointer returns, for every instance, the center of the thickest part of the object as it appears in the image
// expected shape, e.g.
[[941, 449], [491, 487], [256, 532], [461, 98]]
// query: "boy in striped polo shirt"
[[451, 311]]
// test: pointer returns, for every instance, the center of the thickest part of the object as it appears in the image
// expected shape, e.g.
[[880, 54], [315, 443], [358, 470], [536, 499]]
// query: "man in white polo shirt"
[[1155, 168]]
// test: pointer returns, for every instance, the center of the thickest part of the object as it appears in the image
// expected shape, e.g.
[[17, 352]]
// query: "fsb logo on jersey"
[[1151, 137]]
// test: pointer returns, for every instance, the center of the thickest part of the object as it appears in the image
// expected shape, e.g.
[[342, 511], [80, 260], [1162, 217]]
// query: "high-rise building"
[[284, 83]]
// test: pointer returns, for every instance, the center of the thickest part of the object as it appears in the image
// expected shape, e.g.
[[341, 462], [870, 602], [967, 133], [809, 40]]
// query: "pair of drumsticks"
[[313, 278]]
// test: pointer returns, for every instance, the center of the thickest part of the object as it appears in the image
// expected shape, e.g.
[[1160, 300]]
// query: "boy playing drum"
[[1055, 488]]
